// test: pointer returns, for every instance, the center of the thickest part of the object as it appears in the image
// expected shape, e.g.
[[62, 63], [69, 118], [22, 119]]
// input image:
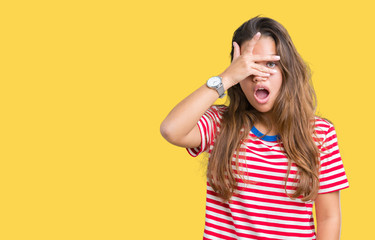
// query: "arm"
[[179, 127], [328, 216]]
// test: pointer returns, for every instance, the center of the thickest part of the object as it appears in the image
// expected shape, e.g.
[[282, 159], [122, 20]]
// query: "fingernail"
[[277, 57], [274, 71], [233, 44]]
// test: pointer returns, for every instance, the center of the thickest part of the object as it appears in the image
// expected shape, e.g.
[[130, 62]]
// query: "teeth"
[[260, 88]]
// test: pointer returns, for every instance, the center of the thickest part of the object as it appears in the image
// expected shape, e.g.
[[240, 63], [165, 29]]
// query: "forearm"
[[328, 228], [185, 115]]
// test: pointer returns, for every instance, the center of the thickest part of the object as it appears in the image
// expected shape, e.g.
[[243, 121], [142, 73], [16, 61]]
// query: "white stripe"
[[267, 204], [268, 235], [332, 181], [334, 188], [220, 231], [267, 165], [252, 232], [286, 222], [266, 173], [333, 164], [235, 206], [277, 198], [259, 226], [329, 174], [270, 189]]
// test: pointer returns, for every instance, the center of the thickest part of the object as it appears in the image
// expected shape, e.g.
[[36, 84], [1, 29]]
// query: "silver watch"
[[216, 83]]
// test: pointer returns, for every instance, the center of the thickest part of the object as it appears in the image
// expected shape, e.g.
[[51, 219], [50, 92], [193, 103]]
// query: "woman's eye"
[[271, 64]]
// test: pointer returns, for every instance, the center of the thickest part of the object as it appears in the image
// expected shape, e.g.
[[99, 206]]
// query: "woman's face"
[[261, 92]]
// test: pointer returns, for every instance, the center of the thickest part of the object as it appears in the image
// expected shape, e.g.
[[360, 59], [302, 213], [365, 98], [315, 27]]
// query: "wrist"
[[227, 81]]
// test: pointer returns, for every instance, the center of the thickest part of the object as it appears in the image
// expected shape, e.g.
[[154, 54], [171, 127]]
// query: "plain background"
[[86, 84]]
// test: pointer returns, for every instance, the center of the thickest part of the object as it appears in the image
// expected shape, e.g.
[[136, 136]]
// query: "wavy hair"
[[292, 114]]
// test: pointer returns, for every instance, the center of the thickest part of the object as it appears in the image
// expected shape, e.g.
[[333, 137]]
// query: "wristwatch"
[[216, 83]]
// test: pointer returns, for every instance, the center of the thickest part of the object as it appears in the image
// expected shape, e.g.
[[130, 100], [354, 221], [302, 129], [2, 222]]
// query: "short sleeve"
[[209, 125], [332, 173]]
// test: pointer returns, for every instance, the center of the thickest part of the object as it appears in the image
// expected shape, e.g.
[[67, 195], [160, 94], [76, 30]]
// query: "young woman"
[[270, 157]]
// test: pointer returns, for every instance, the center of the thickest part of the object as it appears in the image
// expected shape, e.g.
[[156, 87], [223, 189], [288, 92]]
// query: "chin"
[[263, 109]]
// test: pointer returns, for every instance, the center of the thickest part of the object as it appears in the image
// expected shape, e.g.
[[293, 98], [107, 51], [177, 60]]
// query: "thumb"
[[236, 50]]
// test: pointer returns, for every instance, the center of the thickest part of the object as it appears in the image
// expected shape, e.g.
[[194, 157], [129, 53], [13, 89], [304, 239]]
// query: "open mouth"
[[262, 95]]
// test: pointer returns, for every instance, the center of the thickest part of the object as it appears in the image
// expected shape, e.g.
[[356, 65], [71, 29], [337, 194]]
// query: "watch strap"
[[220, 90]]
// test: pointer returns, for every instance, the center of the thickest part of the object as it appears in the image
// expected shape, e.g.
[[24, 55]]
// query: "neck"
[[262, 126]]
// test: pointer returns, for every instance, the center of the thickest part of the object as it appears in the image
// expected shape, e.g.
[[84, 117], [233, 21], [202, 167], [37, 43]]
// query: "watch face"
[[214, 81]]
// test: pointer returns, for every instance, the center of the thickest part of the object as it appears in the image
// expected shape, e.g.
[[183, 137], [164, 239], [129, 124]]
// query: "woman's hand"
[[180, 126], [245, 64]]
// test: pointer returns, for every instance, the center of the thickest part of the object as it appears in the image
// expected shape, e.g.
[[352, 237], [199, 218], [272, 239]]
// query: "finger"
[[259, 78], [236, 50], [262, 58], [249, 46], [257, 72]]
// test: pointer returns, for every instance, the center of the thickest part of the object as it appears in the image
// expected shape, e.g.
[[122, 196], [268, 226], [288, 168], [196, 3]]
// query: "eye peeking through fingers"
[[271, 64]]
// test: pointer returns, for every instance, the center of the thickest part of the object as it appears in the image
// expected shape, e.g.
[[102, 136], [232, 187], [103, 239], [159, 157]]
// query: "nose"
[[259, 78]]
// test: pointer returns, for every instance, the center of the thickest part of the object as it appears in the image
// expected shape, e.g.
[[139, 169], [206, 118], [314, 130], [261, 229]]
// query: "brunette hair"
[[293, 114]]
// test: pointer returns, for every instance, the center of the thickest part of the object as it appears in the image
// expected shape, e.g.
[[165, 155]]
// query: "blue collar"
[[267, 138]]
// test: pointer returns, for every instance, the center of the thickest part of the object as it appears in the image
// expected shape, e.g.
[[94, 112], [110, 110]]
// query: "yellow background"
[[86, 84]]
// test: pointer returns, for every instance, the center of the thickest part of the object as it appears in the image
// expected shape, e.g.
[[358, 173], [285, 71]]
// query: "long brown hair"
[[292, 114]]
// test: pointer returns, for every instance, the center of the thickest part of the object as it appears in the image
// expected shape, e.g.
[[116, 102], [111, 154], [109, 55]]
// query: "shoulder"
[[322, 123], [219, 108], [216, 111], [323, 128]]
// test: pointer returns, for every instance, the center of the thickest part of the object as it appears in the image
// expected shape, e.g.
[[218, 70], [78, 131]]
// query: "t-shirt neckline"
[[260, 135]]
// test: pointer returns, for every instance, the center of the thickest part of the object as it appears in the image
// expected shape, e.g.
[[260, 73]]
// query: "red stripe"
[[266, 208], [224, 229], [262, 168], [275, 201], [333, 176], [321, 123], [264, 184], [271, 224], [326, 148], [261, 149], [272, 185], [334, 190], [259, 229], [331, 161], [334, 184], [284, 234], [319, 132], [261, 215], [205, 141], [268, 177], [259, 191], [258, 151], [218, 219], [246, 157], [255, 222], [329, 155], [266, 193], [330, 138], [218, 211]]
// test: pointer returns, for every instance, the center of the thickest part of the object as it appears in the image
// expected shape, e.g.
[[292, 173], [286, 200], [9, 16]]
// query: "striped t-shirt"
[[261, 209]]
